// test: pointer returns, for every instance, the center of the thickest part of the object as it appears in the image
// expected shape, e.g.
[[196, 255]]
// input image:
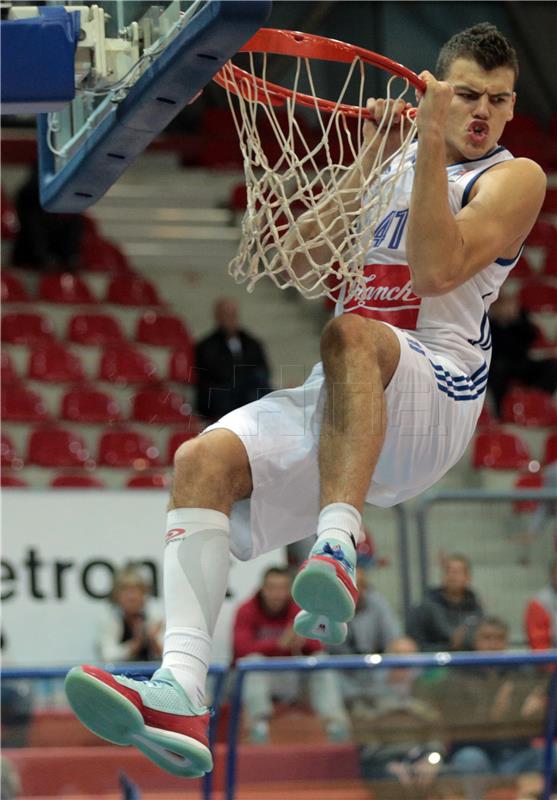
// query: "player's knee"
[[216, 459], [347, 333]]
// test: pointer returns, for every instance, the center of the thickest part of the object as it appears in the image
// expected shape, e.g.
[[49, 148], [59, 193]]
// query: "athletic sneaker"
[[325, 589], [154, 715]]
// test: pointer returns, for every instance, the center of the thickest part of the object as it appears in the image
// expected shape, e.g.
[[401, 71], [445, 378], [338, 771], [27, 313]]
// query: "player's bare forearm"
[[434, 244]]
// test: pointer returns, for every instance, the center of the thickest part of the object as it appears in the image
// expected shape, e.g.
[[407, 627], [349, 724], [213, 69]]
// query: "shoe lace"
[[339, 556]]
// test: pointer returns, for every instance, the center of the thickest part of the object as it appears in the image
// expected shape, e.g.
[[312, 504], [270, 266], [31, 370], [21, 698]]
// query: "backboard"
[[137, 65]]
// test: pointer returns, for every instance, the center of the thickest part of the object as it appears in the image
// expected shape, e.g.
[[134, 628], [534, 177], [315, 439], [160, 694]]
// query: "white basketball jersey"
[[455, 323]]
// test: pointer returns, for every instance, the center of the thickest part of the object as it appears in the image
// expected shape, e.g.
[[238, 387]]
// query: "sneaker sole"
[[317, 626], [107, 714], [318, 590]]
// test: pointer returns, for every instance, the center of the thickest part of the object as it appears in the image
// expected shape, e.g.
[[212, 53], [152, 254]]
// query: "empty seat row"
[[122, 365], [152, 328], [158, 405], [127, 289], [60, 447], [142, 480]]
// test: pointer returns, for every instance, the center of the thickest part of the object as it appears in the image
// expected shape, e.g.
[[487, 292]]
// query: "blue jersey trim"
[[508, 262], [498, 149], [470, 184]]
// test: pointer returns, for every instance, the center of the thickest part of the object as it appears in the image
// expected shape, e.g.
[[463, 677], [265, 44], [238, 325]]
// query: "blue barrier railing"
[[217, 671], [430, 499], [463, 660]]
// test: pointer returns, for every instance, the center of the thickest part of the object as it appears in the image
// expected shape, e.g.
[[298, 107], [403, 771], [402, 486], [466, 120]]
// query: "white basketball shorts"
[[432, 410]]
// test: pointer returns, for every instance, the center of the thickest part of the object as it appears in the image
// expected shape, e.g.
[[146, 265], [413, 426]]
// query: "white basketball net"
[[288, 189]]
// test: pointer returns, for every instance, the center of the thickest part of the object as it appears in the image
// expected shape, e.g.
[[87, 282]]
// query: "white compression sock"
[[196, 562], [341, 521]]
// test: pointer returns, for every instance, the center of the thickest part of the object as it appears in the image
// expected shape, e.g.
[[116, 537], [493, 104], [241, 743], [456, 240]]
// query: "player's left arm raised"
[[445, 250]]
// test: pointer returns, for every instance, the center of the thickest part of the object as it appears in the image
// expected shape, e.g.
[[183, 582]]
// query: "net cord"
[[271, 244]]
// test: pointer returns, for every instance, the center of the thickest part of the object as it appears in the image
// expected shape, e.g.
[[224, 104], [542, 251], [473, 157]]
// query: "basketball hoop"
[[300, 150]]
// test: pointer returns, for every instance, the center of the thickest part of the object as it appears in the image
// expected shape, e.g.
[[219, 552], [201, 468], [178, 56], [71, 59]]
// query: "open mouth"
[[478, 131]]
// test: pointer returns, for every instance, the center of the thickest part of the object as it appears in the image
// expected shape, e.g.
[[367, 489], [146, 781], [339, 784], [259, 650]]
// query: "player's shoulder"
[[519, 176], [520, 169]]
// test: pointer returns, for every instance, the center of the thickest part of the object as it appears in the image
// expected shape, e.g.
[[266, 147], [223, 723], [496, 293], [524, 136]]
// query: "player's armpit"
[[506, 201]]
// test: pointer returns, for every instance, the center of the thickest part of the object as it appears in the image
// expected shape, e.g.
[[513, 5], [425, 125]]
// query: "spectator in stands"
[[45, 240], [397, 722], [513, 334], [131, 628], [541, 615], [232, 368], [503, 709], [263, 627], [438, 622], [373, 627]]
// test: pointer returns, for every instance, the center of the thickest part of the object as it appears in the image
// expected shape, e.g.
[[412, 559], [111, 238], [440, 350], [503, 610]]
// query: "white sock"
[[196, 562], [341, 521]]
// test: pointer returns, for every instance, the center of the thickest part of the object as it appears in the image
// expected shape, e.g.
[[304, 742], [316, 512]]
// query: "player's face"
[[482, 104]]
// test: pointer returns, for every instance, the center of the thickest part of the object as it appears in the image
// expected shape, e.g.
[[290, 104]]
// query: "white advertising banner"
[[60, 550]]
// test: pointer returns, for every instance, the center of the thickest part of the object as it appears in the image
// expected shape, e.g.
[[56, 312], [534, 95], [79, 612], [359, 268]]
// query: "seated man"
[[499, 711], [437, 623], [374, 626], [264, 628]]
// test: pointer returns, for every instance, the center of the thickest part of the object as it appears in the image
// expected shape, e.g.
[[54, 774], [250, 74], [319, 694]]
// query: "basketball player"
[[389, 410]]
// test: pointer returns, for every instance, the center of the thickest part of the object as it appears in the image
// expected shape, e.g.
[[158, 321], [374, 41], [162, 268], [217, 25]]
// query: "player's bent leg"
[[360, 357], [166, 717]]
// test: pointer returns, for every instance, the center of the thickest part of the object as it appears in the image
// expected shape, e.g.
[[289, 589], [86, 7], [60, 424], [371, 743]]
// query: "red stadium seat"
[[127, 449], [63, 287], [160, 406], [55, 363], [539, 296], [522, 269], [550, 449], [22, 405], [497, 449], [57, 447], [529, 407], [182, 366], [162, 330], [8, 374], [90, 405], [94, 329], [543, 234], [549, 269], [179, 437], [127, 364], [528, 480], [13, 291], [72, 481], [12, 482], [132, 290], [485, 420], [8, 453], [550, 202], [149, 480], [26, 328]]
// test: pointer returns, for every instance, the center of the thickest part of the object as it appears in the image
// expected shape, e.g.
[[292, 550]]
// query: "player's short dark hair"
[[482, 43]]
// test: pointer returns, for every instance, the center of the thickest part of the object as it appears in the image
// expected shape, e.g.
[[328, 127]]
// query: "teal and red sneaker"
[[155, 715], [325, 589]]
